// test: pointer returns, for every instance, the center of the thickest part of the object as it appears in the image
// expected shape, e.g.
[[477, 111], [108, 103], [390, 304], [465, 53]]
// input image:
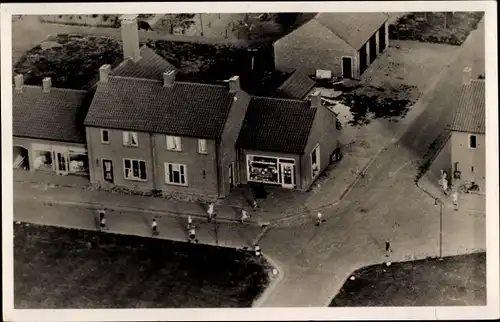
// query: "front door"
[[107, 170], [381, 39], [61, 162], [287, 175], [346, 67]]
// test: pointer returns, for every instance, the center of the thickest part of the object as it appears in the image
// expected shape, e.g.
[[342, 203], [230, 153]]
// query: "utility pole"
[[201, 24], [215, 230], [440, 230]]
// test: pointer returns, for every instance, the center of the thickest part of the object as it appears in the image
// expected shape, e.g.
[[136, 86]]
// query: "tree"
[[287, 19]]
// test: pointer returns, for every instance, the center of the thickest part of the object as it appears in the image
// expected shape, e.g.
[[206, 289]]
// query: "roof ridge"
[[280, 99], [135, 78], [60, 89]]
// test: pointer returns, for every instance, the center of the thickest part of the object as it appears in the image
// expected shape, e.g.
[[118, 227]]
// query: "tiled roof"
[[185, 109], [150, 66], [296, 86], [276, 125], [470, 114], [57, 115], [355, 28]]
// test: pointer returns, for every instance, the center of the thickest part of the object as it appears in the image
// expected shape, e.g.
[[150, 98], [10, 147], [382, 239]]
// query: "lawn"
[[73, 61], [454, 281], [57, 268], [435, 27]]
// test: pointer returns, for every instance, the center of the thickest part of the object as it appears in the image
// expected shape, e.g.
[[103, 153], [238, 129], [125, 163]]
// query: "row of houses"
[[141, 129]]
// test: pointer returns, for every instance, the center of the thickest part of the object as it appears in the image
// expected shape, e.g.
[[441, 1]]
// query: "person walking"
[[102, 219], [387, 248], [154, 227], [255, 205], [455, 200], [244, 215], [319, 218], [210, 211], [257, 250], [191, 231]]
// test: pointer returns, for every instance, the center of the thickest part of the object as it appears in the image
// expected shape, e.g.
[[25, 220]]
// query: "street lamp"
[[440, 227], [201, 24], [215, 230]]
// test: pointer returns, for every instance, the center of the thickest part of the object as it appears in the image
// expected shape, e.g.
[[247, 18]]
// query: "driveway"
[[387, 206]]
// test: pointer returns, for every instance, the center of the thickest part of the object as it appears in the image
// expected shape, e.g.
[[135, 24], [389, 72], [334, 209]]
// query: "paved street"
[[317, 260]]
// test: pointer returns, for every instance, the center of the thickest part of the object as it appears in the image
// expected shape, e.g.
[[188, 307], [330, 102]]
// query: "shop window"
[[175, 174], [134, 169], [173, 143], [472, 141], [130, 139], [43, 161], [202, 146], [263, 169], [78, 163], [315, 162], [105, 136]]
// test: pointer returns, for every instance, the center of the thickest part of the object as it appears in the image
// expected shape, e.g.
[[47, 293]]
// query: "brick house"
[[345, 43], [165, 135], [468, 145], [286, 142], [48, 131]]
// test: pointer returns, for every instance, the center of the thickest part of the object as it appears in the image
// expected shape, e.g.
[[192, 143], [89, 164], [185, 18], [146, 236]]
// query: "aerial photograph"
[[243, 160]]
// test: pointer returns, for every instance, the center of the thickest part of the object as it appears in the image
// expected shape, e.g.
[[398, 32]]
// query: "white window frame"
[[202, 143], [318, 160], [468, 143], [167, 173], [102, 140], [125, 133], [132, 178], [176, 140]]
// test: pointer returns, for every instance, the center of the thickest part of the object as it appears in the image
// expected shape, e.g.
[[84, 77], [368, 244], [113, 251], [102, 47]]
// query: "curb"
[[272, 286]]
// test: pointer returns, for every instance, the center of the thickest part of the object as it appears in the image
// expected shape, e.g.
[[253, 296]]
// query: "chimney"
[[169, 78], [315, 99], [130, 37], [46, 84], [467, 75], [19, 82], [234, 84], [104, 73]]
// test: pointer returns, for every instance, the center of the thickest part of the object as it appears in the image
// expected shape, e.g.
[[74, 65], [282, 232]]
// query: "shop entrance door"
[[61, 162], [287, 175]]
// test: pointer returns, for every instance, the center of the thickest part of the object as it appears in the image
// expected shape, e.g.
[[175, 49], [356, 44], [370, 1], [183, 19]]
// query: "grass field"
[[454, 281], [57, 268]]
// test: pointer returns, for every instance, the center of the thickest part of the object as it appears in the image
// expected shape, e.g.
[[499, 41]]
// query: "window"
[[202, 146], [130, 139], [175, 174], [173, 143], [105, 136], [134, 169], [315, 161], [43, 160], [472, 142]]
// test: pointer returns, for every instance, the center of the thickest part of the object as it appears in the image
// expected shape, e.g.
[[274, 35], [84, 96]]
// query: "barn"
[[345, 43]]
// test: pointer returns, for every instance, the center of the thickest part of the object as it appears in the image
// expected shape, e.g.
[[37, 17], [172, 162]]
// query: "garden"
[[451, 281], [73, 61], [435, 27], [59, 268]]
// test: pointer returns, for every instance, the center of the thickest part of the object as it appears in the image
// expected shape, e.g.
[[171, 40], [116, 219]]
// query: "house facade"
[[286, 142], [345, 43], [48, 131], [468, 141], [166, 136]]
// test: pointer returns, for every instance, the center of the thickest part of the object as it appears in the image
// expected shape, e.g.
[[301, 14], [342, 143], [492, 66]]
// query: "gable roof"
[[296, 86], [149, 66], [355, 28], [276, 125], [57, 115], [185, 109], [470, 114]]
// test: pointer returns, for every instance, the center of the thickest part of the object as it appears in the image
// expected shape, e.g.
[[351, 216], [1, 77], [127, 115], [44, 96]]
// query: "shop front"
[[60, 159], [271, 170]]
